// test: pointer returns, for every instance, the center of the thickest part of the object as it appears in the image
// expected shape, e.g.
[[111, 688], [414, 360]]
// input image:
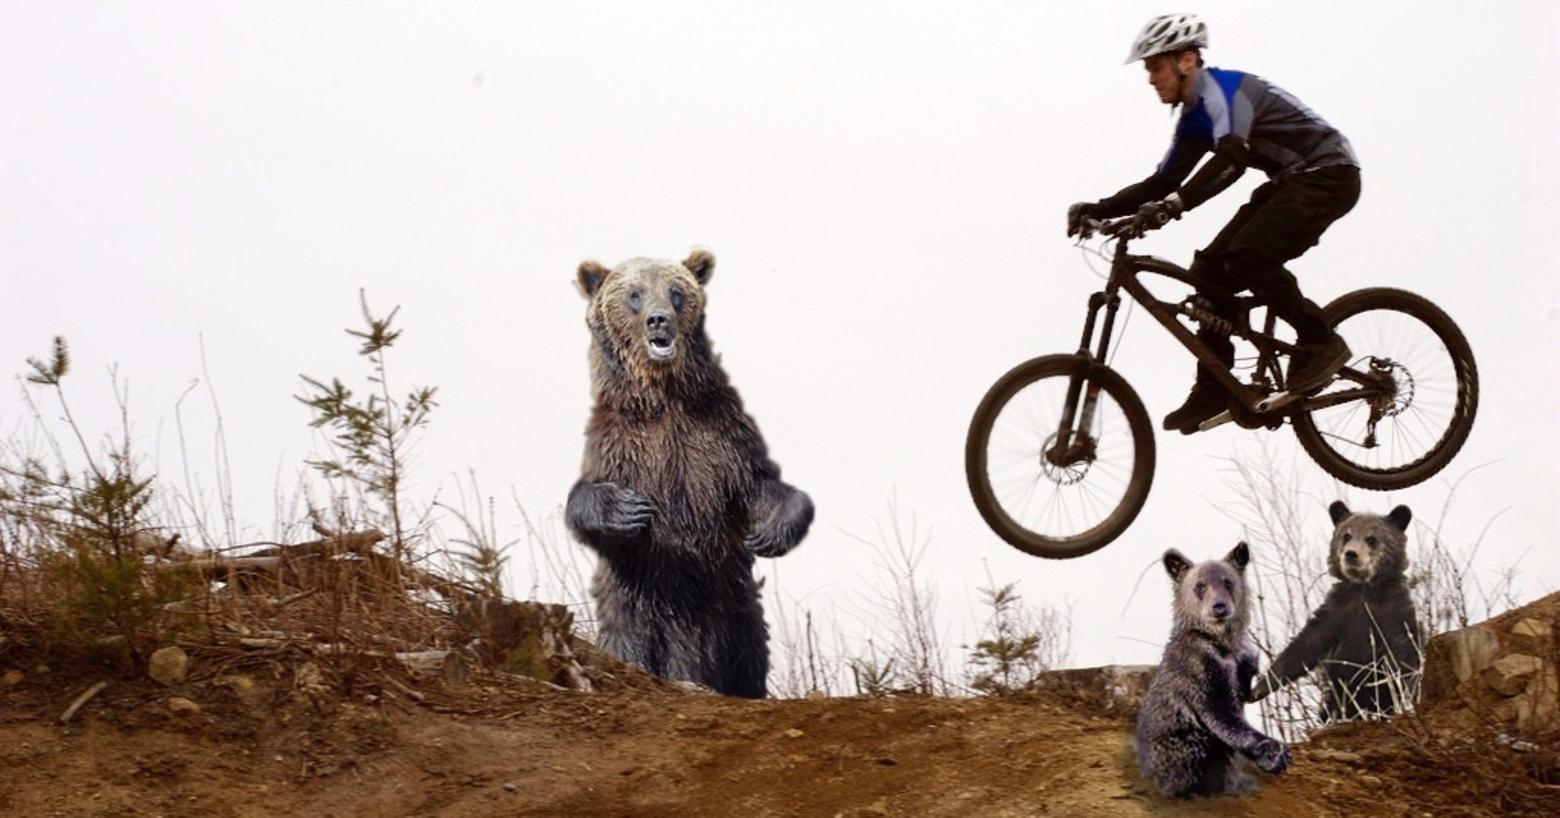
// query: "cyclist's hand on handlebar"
[[1155, 215], [1076, 216]]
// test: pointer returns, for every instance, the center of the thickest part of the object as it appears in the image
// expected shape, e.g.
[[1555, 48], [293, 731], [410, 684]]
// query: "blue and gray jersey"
[[1280, 134], [1247, 121]]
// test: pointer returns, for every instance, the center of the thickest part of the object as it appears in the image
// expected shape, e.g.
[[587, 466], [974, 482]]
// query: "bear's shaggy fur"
[[1191, 733], [677, 492], [1364, 640]]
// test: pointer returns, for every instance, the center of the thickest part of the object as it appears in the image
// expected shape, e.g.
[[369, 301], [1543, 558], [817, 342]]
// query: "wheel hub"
[[1070, 466], [1398, 384]]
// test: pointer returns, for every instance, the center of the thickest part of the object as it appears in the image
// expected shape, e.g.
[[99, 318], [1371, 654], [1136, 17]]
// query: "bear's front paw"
[[625, 512], [1271, 755]]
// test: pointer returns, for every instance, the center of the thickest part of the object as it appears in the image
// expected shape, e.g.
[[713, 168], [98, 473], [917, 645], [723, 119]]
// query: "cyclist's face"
[[1162, 75]]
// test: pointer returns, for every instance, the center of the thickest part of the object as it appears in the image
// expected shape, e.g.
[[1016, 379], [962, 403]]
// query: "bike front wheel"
[[1428, 396], [1035, 498]]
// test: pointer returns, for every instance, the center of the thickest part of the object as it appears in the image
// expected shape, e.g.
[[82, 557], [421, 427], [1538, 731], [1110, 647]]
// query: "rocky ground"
[[282, 734]]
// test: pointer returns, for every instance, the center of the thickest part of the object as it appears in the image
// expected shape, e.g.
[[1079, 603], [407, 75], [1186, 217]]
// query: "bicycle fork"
[[1073, 441]]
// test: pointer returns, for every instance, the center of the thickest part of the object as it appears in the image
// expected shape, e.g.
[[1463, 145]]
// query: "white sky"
[[884, 187]]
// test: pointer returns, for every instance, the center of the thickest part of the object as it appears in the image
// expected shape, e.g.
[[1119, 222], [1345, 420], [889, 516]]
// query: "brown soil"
[[643, 748]]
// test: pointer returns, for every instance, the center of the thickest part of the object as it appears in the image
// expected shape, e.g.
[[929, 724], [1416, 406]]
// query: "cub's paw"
[[1271, 755], [624, 512]]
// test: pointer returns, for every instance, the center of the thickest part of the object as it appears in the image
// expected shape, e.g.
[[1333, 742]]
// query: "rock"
[[1509, 674], [1337, 755], [242, 685], [510, 787], [168, 665], [816, 695], [12, 678], [1453, 658], [182, 707], [1538, 707], [1112, 688], [1533, 636], [794, 733]]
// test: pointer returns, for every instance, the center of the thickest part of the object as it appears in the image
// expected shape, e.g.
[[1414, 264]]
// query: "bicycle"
[[1412, 379]]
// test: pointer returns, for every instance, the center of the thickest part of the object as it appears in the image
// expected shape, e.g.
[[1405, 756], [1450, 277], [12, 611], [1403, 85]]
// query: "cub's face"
[[1368, 548], [647, 310], [1210, 596]]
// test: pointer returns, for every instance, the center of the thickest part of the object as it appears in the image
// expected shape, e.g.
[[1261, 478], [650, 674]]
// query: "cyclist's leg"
[[1290, 222], [1207, 398]]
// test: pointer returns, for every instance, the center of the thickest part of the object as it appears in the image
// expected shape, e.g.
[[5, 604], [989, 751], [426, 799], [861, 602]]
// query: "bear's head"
[[1368, 548], [1211, 596], [647, 315]]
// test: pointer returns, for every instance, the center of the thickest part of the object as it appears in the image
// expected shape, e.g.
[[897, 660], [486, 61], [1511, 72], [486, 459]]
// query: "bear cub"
[[1364, 641], [1191, 732]]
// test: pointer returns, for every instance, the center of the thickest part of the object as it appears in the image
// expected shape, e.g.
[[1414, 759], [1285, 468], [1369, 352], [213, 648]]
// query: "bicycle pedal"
[[1278, 400], [1217, 420]]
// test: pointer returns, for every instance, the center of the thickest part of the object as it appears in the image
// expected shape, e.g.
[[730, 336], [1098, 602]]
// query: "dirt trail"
[[648, 751]]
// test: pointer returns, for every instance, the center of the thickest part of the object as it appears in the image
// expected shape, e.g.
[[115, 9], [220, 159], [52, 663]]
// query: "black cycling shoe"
[[1205, 400], [1313, 363]]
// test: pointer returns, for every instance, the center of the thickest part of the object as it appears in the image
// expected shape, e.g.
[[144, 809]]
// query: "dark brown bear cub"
[[1364, 641], [678, 493]]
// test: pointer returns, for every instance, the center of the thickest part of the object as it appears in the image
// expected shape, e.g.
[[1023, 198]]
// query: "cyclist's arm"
[[1185, 151], [1228, 163]]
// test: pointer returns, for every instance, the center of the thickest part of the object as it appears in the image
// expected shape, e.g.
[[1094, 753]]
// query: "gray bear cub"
[[1191, 733]]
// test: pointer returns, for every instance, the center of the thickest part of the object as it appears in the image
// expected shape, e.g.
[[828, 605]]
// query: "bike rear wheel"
[[1050, 509], [1422, 420]]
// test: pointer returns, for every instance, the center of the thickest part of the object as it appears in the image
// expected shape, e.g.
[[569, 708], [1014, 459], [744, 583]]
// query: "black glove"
[[1155, 215], [1077, 213]]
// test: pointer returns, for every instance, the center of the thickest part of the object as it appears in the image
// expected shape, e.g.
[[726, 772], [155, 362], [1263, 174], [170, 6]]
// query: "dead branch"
[[70, 712]]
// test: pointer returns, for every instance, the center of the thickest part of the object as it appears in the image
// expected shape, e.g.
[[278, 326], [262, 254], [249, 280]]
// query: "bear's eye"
[[1370, 541], [1347, 536], [1200, 588], [677, 299], [1229, 586], [636, 299]]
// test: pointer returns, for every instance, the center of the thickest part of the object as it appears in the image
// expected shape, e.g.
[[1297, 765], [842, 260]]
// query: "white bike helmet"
[[1169, 32]]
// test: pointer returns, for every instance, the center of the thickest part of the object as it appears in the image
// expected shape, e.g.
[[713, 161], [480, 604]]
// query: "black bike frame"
[[1268, 378]]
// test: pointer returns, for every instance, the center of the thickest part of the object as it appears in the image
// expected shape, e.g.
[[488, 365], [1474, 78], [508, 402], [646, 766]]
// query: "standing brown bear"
[[678, 493]]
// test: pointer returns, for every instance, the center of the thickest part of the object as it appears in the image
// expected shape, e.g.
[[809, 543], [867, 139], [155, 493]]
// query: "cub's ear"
[[701, 263], [1337, 511], [1176, 564], [590, 276], [1399, 517], [1239, 556]]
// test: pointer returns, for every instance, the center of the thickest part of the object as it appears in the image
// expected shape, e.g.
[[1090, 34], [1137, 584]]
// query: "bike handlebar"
[[1123, 227]]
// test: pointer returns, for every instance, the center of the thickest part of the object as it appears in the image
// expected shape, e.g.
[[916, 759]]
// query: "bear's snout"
[[1351, 557], [661, 335]]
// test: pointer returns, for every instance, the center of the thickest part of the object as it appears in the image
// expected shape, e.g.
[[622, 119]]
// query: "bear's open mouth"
[[662, 345]]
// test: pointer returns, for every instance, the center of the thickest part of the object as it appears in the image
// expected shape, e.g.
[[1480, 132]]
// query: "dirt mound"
[[293, 734]]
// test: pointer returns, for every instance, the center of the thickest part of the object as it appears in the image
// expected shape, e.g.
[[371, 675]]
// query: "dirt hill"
[[286, 735]]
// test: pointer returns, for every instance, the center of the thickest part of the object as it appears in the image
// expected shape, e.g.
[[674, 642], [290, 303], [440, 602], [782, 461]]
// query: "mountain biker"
[[1314, 178]]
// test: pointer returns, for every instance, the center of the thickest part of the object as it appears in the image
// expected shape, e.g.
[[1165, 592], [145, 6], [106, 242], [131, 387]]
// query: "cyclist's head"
[[1167, 33], [1170, 47]]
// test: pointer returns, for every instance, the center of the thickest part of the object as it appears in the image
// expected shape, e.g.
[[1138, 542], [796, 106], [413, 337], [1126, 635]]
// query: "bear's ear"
[[590, 276], [1399, 517], [1176, 564], [1337, 511], [1239, 556], [701, 263]]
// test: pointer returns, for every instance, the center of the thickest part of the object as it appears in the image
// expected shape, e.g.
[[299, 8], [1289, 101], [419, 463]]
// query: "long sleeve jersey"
[[1246, 121]]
